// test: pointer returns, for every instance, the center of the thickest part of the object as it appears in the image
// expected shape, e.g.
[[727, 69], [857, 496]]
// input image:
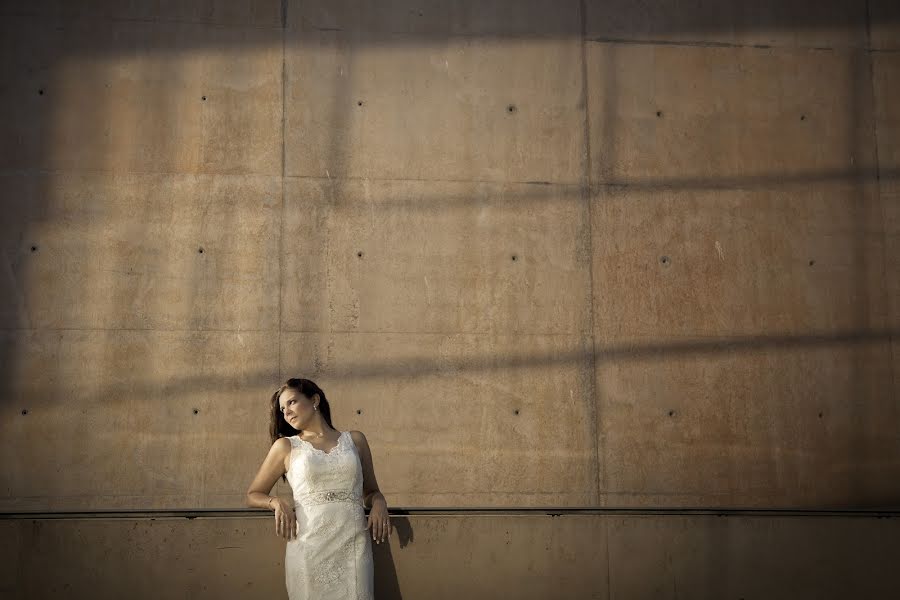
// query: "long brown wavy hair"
[[278, 427]]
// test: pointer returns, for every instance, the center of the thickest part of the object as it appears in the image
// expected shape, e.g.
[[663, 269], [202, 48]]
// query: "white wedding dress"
[[331, 557]]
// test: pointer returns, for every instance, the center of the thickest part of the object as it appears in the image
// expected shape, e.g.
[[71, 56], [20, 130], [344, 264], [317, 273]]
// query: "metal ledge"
[[551, 511]]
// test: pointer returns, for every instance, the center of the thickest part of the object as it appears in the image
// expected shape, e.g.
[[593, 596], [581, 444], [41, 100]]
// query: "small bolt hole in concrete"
[[659, 113], [196, 412], [24, 411], [671, 413], [34, 248], [812, 262], [664, 260], [359, 412], [511, 108], [200, 250], [359, 254], [514, 257]]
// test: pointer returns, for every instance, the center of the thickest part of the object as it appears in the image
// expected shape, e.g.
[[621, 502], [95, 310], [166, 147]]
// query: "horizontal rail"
[[551, 511]]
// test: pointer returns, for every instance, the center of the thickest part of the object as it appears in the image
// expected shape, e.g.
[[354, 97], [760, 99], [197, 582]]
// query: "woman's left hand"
[[379, 520]]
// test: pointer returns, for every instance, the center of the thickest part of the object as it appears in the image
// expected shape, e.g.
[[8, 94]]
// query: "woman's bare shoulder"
[[359, 438], [282, 444], [281, 448]]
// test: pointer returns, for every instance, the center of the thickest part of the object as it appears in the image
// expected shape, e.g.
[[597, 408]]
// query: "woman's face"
[[296, 408]]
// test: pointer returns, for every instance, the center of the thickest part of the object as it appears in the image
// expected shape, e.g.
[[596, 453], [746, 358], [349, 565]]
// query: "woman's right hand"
[[285, 519]]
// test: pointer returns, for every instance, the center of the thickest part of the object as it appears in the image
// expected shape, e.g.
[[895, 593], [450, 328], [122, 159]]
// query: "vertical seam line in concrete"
[[870, 63], [586, 195], [608, 582], [283, 171]]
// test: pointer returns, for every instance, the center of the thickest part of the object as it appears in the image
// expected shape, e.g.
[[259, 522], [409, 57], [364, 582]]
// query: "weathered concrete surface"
[[830, 23], [541, 256], [507, 441], [457, 108], [739, 400], [886, 83], [259, 13], [755, 366], [436, 257], [884, 24], [156, 251], [488, 18], [476, 556], [812, 425], [127, 96], [113, 413], [696, 117], [792, 259]]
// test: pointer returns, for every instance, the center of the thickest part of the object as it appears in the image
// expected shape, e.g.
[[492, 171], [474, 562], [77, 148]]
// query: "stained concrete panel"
[[461, 419], [429, 257], [517, 556], [886, 79], [700, 422], [133, 419], [533, 557], [124, 251], [752, 557], [528, 18], [828, 23], [258, 13], [792, 259], [739, 433], [141, 96], [143, 558], [699, 117], [470, 556], [884, 23], [886, 82], [457, 108]]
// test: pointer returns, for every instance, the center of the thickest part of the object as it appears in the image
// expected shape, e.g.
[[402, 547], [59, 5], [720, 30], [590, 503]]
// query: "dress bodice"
[[317, 476]]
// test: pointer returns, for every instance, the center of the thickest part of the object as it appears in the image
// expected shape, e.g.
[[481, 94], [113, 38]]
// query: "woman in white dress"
[[328, 555]]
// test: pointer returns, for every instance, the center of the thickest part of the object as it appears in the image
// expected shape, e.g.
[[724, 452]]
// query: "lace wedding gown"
[[331, 557]]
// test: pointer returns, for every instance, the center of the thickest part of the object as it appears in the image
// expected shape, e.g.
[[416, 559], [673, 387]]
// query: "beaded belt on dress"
[[314, 498]]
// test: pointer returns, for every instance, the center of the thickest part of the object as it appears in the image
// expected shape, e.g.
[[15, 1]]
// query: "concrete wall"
[[543, 253], [469, 556]]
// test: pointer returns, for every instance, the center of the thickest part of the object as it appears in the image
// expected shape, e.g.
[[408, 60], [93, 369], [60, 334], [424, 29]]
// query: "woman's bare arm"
[[272, 468], [370, 483]]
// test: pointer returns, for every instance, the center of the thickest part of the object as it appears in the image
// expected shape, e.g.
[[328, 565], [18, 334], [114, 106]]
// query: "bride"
[[328, 553]]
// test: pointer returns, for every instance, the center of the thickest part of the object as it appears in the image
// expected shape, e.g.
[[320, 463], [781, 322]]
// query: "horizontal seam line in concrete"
[[774, 336], [412, 511], [430, 35], [711, 44], [124, 173], [316, 331], [76, 19], [656, 182], [278, 27], [425, 180]]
